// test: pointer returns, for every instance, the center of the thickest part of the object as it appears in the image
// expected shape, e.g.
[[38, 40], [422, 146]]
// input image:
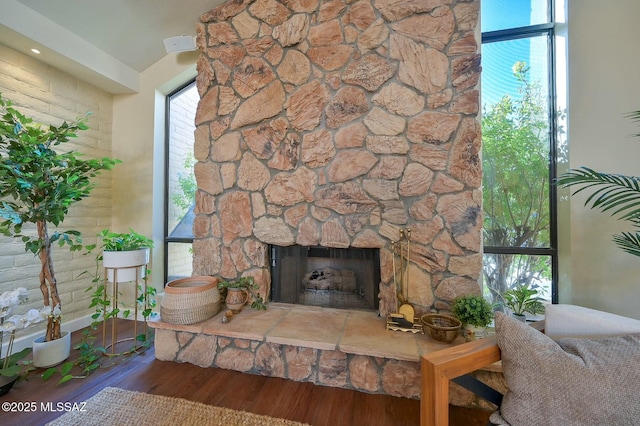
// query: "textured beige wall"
[[603, 86], [51, 96], [138, 140]]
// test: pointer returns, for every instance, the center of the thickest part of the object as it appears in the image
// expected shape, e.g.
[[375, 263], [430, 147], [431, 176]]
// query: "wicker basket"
[[442, 327], [190, 300]]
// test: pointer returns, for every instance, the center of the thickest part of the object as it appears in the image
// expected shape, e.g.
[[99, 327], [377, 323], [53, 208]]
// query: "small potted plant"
[[522, 299], [475, 313], [125, 252], [238, 293], [124, 257]]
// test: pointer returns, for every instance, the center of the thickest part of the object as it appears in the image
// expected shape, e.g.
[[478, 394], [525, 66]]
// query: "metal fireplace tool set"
[[404, 318]]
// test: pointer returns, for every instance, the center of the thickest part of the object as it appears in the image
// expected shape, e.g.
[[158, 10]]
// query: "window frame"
[[167, 144], [548, 30]]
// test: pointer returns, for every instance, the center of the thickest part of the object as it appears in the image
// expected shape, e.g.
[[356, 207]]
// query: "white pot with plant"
[[125, 255], [475, 313], [38, 184], [521, 300]]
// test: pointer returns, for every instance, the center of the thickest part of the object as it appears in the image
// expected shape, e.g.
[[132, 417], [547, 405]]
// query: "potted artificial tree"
[[475, 313], [522, 299], [38, 185]]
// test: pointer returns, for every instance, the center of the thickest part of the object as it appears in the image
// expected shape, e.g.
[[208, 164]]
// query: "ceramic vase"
[[236, 298], [472, 332]]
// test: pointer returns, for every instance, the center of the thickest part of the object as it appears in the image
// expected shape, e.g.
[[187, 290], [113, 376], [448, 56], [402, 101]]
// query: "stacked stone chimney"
[[337, 124]]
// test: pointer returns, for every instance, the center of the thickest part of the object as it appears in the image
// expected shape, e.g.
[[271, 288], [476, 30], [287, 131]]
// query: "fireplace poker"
[[405, 309], [393, 262], [402, 279], [408, 259]]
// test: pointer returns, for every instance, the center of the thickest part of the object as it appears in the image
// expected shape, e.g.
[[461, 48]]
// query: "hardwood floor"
[[303, 402]]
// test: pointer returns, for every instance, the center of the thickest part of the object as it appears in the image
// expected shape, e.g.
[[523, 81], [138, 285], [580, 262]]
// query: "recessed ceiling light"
[[36, 51]]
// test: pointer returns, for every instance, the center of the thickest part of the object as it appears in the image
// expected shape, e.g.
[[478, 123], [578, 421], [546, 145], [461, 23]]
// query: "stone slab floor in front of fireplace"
[[332, 347]]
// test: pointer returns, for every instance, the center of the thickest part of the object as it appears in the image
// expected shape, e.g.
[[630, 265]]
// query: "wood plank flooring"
[[303, 402]]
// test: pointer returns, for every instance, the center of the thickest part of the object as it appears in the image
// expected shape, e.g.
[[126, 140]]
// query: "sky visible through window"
[[498, 58]]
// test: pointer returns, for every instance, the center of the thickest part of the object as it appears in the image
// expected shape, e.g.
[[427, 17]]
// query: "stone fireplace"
[[336, 124]]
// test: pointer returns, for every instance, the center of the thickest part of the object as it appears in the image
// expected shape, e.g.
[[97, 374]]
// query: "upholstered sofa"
[[583, 370]]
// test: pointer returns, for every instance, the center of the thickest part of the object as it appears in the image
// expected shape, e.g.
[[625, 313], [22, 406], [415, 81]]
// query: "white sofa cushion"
[[577, 321]]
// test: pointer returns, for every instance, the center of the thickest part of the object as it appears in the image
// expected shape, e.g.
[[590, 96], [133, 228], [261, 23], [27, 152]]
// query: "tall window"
[[519, 146], [180, 181]]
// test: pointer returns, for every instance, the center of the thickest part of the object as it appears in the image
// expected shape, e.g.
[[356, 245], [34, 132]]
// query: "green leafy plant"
[[38, 185], [14, 364], [616, 194], [249, 284], [523, 299], [473, 310], [91, 355], [187, 182], [113, 241], [127, 241]]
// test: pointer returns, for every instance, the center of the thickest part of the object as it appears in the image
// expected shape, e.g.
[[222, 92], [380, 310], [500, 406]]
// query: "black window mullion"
[[516, 33]]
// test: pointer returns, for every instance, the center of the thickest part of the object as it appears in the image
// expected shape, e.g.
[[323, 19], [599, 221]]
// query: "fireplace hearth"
[[327, 277]]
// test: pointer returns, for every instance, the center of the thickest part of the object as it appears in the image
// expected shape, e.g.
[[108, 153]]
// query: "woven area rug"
[[115, 406]]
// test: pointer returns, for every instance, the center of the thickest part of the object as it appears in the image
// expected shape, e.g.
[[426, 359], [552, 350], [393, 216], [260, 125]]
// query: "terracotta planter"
[[125, 264], [236, 299]]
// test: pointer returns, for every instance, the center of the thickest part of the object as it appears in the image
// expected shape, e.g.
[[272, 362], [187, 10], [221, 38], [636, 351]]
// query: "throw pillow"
[[571, 381]]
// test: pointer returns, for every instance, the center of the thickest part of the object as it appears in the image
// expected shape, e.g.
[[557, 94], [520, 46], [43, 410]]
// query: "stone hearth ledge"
[[330, 347], [351, 332]]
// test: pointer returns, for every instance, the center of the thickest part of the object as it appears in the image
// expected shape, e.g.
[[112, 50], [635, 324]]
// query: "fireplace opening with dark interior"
[[328, 277]]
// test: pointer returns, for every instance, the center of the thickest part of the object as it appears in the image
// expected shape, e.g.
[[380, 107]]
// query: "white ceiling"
[[107, 42]]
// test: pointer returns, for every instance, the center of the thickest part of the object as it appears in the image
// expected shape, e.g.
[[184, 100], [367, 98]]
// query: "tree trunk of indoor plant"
[[48, 283]]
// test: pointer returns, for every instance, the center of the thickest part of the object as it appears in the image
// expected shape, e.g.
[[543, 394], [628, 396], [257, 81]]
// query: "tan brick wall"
[[52, 96]]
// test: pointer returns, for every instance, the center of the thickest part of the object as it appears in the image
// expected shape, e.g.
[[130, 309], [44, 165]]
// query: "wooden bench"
[[441, 367]]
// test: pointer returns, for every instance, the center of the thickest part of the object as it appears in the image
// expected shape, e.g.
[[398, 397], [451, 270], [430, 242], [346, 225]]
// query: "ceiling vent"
[[181, 43]]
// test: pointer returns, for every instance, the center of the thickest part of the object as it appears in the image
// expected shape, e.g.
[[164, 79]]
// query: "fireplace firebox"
[[328, 277]]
